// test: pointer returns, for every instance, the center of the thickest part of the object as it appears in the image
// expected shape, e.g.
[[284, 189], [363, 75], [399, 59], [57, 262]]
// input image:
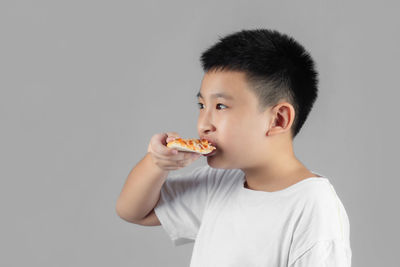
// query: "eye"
[[221, 104], [200, 105]]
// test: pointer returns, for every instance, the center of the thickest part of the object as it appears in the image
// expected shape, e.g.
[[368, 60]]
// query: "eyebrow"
[[216, 95]]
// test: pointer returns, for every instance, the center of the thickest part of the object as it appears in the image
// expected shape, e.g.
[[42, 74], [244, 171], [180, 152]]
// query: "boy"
[[255, 203]]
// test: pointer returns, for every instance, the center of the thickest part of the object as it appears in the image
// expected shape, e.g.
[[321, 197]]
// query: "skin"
[[259, 144]]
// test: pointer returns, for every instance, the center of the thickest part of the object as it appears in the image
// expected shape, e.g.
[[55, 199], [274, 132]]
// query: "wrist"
[[159, 172]]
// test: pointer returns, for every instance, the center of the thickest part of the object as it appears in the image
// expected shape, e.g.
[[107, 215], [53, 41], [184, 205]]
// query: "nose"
[[204, 124]]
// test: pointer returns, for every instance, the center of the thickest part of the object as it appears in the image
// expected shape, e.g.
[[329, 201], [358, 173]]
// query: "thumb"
[[172, 136], [158, 138], [162, 138]]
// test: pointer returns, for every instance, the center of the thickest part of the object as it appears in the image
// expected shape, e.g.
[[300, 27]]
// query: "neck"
[[276, 173]]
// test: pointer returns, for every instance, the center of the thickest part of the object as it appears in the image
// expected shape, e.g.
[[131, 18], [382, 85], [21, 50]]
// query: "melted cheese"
[[196, 145]]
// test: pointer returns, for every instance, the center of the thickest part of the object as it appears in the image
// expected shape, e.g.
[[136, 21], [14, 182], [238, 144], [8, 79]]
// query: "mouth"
[[212, 153], [211, 143]]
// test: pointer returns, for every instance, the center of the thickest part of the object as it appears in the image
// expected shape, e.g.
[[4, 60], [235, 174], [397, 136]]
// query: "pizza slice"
[[192, 145]]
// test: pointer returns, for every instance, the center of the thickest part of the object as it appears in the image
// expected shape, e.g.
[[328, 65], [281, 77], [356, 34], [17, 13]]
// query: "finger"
[[172, 136], [159, 146], [182, 155], [196, 156], [169, 162]]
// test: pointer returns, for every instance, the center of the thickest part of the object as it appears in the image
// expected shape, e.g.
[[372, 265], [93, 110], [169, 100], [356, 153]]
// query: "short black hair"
[[276, 67]]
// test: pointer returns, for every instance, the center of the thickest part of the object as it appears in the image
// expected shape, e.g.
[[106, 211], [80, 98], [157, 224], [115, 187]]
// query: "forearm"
[[141, 190]]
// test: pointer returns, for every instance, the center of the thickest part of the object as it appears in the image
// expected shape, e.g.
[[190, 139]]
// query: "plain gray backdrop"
[[86, 84]]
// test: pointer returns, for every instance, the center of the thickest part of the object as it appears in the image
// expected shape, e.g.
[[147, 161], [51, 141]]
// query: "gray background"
[[85, 84]]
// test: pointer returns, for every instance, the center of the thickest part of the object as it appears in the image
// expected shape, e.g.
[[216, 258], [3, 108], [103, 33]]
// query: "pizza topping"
[[196, 145]]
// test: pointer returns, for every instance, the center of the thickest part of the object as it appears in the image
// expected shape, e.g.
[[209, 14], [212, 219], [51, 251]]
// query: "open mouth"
[[211, 143], [211, 153]]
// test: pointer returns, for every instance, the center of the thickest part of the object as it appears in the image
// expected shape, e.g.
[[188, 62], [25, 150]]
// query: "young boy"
[[255, 203]]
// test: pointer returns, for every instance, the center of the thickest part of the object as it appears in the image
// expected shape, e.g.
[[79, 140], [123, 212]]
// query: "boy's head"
[[273, 83]]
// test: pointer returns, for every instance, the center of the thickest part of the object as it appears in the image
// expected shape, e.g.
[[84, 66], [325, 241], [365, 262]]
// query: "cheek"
[[248, 135], [237, 135]]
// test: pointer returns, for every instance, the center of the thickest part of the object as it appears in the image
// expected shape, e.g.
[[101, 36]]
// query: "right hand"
[[164, 157]]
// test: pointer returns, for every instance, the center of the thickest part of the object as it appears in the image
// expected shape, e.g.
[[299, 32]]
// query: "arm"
[[141, 191]]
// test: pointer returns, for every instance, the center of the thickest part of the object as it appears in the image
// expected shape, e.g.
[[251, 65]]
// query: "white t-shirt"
[[303, 225]]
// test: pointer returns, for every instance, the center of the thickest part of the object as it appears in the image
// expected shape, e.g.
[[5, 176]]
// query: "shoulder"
[[323, 215], [320, 200], [320, 195]]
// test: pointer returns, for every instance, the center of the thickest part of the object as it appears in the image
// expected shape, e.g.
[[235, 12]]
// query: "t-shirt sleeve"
[[182, 203], [322, 233], [327, 253]]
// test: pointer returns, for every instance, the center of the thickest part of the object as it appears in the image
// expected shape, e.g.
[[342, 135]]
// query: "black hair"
[[276, 67]]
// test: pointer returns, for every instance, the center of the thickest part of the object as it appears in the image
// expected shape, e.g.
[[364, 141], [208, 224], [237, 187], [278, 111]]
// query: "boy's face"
[[235, 125]]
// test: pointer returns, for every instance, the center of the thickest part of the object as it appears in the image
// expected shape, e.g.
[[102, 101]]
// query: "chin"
[[213, 162]]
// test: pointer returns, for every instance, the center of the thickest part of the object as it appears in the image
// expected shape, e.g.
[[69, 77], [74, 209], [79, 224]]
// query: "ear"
[[282, 116]]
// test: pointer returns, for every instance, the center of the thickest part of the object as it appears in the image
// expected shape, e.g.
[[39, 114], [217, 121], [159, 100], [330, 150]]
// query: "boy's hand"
[[164, 157]]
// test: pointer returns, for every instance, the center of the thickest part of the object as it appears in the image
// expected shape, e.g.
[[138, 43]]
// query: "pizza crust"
[[191, 145]]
